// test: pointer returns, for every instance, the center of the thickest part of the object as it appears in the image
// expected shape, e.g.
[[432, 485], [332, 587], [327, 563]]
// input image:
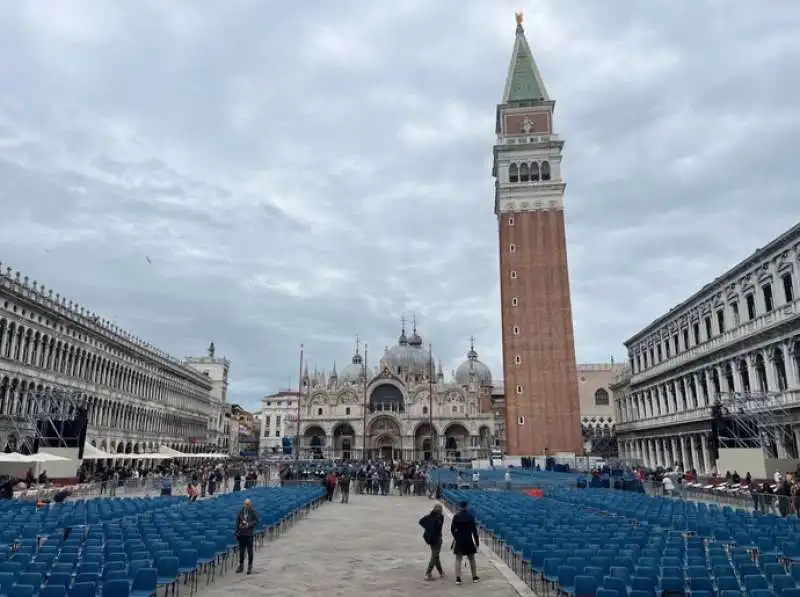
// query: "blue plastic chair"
[[755, 582], [585, 586], [83, 588], [145, 583], [21, 591], [566, 579], [187, 566], [167, 571], [116, 588], [53, 591]]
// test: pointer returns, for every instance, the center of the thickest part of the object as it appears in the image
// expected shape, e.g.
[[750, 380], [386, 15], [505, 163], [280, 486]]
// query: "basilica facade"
[[403, 409]]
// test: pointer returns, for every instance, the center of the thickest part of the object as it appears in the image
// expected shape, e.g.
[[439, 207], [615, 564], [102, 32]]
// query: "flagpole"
[[364, 431], [431, 373], [299, 397]]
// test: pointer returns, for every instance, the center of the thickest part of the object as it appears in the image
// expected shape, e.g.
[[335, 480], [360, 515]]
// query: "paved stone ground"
[[372, 546]]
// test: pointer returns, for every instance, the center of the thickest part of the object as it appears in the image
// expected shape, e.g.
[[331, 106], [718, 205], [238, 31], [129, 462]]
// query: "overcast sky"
[[302, 172]]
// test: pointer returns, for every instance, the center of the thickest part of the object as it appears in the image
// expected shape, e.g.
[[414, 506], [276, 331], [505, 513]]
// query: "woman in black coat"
[[465, 540]]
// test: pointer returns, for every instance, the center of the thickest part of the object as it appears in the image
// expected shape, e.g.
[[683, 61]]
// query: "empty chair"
[[642, 583], [60, 578], [33, 579], [83, 589], [781, 582], [53, 591], [167, 571], [672, 583], [116, 588], [700, 583], [616, 584], [21, 591], [585, 586], [728, 583], [566, 579], [755, 582], [145, 583]]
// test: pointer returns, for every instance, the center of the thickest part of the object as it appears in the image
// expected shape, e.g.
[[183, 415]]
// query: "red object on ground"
[[537, 493]]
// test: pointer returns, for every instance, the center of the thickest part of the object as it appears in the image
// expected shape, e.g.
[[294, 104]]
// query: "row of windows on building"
[[533, 172], [712, 326], [29, 347], [746, 375]]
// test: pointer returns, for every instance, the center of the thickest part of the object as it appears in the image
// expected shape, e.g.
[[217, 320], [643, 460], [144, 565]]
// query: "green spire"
[[524, 83]]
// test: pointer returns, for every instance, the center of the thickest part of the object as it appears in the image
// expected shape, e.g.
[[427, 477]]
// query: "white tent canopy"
[[31, 458], [168, 452], [210, 455], [92, 453]]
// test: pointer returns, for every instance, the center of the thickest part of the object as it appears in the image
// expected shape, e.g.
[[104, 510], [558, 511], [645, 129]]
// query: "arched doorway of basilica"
[[387, 441], [344, 441], [425, 441], [314, 442], [456, 442]]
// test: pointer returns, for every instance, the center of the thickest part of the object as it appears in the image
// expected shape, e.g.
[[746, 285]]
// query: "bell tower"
[[541, 386]]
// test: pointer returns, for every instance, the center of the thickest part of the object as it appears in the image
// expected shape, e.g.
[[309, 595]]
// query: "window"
[[512, 248], [277, 433], [319, 411], [424, 410], [735, 310], [515, 330], [519, 389], [707, 323], [513, 274], [524, 173], [545, 169], [666, 348], [520, 420], [267, 421], [675, 346], [685, 338], [788, 287], [510, 220], [278, 421], [513, 173], [518, 360], [601, 398], [750, 300], [766, 293], [347, 410], [696, 333], [514, 301], [721, 321]]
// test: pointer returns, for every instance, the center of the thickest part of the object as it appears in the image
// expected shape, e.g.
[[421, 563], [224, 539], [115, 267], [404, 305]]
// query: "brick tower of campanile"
[[541, 385]]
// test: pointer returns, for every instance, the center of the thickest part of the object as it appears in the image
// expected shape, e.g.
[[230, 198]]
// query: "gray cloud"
[[303, 175]]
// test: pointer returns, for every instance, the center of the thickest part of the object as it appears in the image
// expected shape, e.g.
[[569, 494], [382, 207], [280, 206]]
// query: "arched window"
[[524, 175], [513, 173], [545, 170], [601, 398], [535, 172]]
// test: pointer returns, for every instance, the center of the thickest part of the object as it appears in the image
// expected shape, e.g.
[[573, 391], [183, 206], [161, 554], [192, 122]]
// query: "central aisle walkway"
[[372, 546]]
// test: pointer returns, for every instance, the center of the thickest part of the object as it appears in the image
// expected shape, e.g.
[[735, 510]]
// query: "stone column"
[[696, 464], [708, 463], [687, 465]]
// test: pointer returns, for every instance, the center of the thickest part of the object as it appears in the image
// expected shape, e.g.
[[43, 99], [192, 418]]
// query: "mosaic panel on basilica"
[[407, 407]]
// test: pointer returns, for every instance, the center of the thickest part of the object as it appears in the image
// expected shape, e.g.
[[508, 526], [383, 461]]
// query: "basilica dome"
[[409, 356], [471, 369], [354, 372]]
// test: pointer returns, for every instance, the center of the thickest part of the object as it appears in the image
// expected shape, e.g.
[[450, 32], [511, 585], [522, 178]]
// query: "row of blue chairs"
[[145, 549], [588, 540]]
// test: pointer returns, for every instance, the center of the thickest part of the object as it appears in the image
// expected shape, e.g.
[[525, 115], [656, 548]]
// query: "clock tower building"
[[541, 386]]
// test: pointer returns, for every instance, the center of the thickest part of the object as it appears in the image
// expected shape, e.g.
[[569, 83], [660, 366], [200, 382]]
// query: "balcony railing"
[[751, 328], [678, 418]]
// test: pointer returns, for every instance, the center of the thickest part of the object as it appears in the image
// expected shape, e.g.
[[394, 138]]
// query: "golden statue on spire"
[[519, 16]]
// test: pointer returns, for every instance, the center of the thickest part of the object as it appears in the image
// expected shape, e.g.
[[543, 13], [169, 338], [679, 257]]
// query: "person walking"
[[246, 522], [344, 488], [432, 524], [465, 540]]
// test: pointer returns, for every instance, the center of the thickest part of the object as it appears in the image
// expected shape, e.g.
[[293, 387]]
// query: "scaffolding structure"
[[754, 420], [35, 416]]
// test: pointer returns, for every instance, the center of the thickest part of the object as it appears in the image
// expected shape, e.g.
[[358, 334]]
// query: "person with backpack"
[[432, 524]]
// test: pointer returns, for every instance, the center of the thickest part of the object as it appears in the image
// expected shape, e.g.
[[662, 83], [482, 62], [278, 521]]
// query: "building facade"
[[597, 409], [402, 409], [57, 356], [542, 403], [735, 343], [275, 410], [217, 370]]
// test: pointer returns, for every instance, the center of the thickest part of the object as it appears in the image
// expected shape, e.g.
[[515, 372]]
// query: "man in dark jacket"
[[433, 523], [246, 522], [465, 540]]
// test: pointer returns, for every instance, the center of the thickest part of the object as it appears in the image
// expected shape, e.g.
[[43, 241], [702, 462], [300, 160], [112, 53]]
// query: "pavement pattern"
[[371, 546]]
